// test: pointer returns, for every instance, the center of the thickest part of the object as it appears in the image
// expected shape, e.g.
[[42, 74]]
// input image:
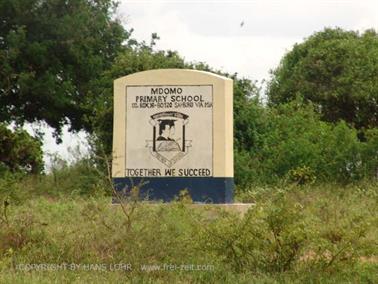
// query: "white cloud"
[[210, 31]]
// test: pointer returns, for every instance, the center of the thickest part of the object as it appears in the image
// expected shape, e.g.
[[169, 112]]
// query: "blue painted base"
[[201, 189]]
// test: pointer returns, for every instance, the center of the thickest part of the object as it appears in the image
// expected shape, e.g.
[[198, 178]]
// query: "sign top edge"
[[167, 72]]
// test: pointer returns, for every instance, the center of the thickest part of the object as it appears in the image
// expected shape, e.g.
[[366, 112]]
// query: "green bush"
[[296, 146], [334, 69], [79, 178], [19, 152], [270, 238], [302, 175], [370, 152]]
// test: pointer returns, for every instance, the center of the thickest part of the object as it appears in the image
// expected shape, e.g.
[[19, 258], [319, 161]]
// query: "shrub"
[[19, 152], [302, 175], [269, 238], [296, 144]]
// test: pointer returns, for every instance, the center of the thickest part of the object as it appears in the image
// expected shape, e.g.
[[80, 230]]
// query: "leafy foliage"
[[287, 142], [249, 114], [142, 57], [19, 152], [302, 175], [337, 71], [295, 145], [136, 59], [49, 52], [270, 237]]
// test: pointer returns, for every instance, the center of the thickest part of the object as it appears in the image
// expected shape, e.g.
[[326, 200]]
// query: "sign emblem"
[[169, 143]]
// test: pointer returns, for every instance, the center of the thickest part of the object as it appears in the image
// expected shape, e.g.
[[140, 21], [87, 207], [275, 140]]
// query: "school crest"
[[169, 143]]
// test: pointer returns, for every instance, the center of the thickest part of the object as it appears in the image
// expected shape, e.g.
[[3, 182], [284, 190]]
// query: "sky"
[[247, 37]]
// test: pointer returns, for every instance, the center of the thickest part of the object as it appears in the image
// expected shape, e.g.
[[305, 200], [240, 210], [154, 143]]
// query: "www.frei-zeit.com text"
[[112, 267]]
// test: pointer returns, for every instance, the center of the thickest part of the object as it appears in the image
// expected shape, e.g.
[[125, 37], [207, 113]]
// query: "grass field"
[[314, 234]]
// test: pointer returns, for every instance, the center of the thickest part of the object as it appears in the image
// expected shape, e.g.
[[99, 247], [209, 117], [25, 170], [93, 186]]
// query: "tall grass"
[[293, 234]]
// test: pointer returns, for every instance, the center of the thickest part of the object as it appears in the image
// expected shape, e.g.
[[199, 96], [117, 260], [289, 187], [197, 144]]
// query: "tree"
[[134, 59], [249, 115], [294, 144], [19, 152], [337, 71], [140, 57], [50, 50]]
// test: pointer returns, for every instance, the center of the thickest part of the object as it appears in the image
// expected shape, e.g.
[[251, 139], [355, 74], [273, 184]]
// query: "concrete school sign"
[[173, 130]]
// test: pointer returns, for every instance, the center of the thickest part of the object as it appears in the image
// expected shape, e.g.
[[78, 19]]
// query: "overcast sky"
[[247, 37]]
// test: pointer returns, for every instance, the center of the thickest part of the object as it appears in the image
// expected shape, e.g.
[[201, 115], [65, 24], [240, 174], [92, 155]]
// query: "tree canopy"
[[337, 71], [50, 50], [134, 59], [140, 57], [19, 152]]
